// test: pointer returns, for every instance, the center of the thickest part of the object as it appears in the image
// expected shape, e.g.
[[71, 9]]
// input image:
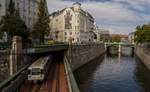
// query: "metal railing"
[[13, 82], [73, 87]]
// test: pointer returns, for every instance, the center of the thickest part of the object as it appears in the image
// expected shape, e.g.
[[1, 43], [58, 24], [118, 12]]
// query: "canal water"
[[113, 74]]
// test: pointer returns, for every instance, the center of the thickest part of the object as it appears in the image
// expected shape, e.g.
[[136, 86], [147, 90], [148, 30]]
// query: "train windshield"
[[36, 71]]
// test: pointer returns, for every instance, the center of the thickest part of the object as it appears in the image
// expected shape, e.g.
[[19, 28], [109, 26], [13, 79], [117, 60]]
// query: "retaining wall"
[[79, 55], [143, 53]]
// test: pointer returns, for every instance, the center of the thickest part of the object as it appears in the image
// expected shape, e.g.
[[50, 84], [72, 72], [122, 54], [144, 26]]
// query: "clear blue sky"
[[120, 16]]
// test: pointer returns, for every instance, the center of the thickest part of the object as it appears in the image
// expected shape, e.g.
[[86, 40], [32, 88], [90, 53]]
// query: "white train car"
[[39, 69]]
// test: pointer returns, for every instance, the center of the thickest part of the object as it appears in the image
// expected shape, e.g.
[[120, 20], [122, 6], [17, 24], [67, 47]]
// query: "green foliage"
[[13, 25], [142, 34], [116, 38], [41, 27]]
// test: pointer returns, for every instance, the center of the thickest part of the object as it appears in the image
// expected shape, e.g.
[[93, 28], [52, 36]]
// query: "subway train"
[[38, 71]]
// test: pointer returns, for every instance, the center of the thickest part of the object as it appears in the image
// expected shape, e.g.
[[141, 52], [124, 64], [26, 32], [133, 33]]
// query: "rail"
[[55, 81]]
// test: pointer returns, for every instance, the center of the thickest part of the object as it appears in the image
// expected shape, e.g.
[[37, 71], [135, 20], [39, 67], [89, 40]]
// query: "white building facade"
[[71, 24], [131, 37], [104, 35]]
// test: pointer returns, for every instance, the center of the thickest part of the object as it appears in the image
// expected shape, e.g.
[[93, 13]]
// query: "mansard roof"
[[61, 11], [57, 12], [77, 3]]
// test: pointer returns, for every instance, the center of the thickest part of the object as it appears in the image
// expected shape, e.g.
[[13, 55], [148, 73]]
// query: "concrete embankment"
[[78, 55], [142, 52]]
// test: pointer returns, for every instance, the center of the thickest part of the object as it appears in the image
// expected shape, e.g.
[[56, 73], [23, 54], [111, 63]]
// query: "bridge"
[[59, 79], [46, 48], [119, 45]]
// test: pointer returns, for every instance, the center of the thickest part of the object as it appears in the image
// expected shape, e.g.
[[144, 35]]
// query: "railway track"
[[55, 82]]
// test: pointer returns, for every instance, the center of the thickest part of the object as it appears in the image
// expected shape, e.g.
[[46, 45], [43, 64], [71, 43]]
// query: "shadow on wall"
[[85, 74], [142, 75]]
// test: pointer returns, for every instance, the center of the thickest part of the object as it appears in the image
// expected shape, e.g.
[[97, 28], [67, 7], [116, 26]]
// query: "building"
[[71, 24], [119, 38], [4, 4], [3, 7], [28, 10], [98, 36], [131, 37], [124, 38], [104, 35]]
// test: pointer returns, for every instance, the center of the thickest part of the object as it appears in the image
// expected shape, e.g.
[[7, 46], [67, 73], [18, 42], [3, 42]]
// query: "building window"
[[65, 38], [78, 27], [77, 39], [70, 33], [68, 19], [56, 36], [65, 33]]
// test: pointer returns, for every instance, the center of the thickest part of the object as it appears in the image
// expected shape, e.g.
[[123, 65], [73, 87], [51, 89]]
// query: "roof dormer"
[[77, 7]]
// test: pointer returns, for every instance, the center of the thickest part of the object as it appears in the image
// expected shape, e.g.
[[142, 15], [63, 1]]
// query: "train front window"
[[35, 71]]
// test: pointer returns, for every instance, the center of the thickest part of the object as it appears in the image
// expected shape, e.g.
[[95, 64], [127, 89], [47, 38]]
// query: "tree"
[[116, 38], [13, 25], [41, 27], [142, 34]]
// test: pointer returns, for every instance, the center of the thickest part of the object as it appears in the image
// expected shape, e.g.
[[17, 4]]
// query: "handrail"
[[4, 83], [73, 87]]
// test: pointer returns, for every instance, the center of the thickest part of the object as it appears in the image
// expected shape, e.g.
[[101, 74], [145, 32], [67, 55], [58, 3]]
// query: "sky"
[[119, 16]]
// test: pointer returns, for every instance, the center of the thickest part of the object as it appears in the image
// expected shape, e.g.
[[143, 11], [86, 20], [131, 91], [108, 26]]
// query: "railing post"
[[119, 49]]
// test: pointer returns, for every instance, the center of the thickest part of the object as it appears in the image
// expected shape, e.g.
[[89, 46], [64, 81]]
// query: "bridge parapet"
[[46, 48], [107, 44]]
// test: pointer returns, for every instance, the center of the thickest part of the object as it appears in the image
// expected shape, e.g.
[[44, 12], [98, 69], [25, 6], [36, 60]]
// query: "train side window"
[[29, 72], [42, 72]]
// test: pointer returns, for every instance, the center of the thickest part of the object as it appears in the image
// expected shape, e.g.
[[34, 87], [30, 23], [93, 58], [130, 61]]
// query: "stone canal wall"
[[79, 55], [142, 51]]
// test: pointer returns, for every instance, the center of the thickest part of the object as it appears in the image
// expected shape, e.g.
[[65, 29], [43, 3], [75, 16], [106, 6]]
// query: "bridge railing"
[[46, 48], [73, 87], [12, 84]]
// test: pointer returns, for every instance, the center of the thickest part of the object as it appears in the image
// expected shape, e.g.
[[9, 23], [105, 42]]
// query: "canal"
[[113, 74]]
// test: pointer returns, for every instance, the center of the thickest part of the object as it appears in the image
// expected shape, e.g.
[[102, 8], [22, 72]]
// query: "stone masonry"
[[142, 51], [79, 55]]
